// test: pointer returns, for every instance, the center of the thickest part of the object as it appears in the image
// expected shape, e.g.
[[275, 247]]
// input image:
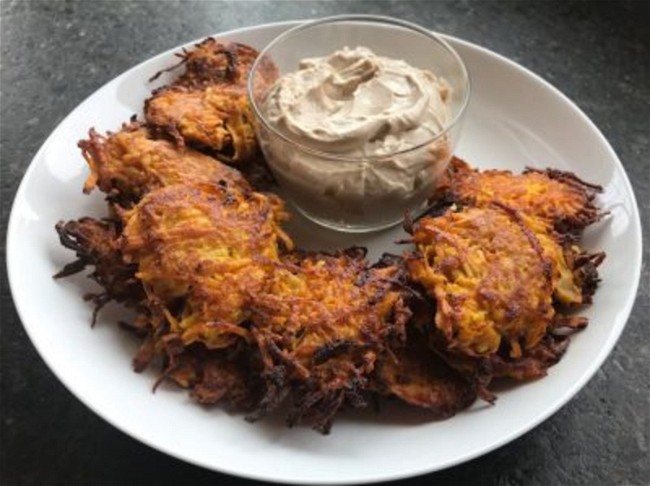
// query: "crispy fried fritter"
[[216, 119], [213, 376], [96, 244], [490, 277], [558, 197], [207, 105], [535, 361], [585, 269], [565, 284], [201, 251], [532, 364], [213, 62], [130, 163], [499, 280], [320, 325], [416, 375]]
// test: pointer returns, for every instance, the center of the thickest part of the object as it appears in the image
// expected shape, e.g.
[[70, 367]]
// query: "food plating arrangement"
[[487, 288]]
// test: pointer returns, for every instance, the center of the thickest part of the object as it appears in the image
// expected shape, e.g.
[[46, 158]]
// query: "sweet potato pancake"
[[128, 164], [489, 276], [206, 245], [216, 119], [559, 197], [207, 105], [212, 62], [500, 281], [320, 325]]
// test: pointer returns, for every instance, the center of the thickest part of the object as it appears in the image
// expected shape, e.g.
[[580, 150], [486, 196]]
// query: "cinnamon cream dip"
[[364, 131], [358, 104]]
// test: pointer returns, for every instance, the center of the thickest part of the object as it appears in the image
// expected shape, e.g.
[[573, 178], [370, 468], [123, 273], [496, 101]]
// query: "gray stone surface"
[[55, 53]]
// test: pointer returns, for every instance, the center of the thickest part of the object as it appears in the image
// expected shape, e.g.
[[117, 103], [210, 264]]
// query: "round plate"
[[515, 119]]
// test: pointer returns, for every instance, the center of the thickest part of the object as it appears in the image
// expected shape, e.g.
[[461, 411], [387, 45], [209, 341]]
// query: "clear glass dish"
[[360, 193]]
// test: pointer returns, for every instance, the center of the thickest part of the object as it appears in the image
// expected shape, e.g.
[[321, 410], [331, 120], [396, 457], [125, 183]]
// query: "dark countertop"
[[54, 54]]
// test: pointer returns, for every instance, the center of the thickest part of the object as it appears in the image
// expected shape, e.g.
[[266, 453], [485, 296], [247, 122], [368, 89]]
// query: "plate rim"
[[569, 393]]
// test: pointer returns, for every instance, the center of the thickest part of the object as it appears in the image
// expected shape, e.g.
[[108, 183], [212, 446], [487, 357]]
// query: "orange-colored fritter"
[[490, 277], [320, 325], [131, 163], [210, 375], [202, 251], [558, 197], [500, 281], [207, 105], [212, 62], [216, 119]]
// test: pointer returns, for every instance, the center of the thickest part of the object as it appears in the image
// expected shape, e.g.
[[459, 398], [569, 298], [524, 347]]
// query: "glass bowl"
[[357, 192]]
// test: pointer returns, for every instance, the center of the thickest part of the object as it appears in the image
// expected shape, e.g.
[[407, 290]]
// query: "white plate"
[[515, 119]]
